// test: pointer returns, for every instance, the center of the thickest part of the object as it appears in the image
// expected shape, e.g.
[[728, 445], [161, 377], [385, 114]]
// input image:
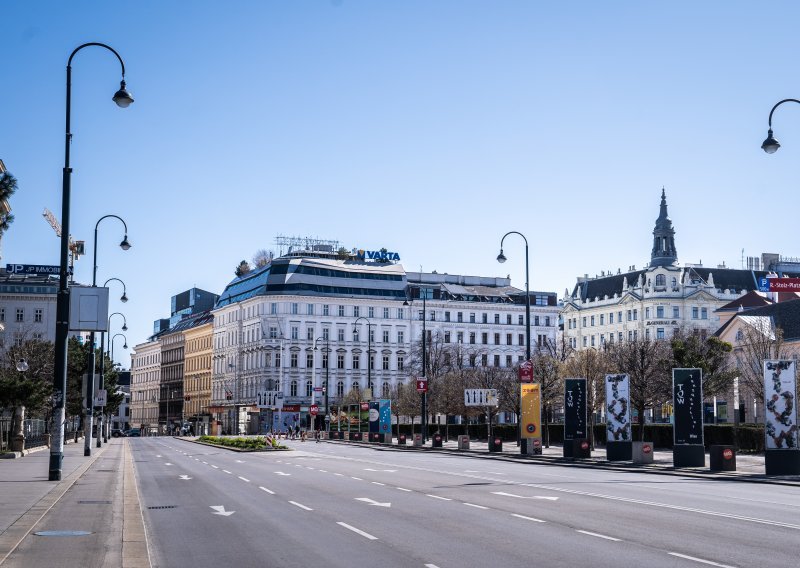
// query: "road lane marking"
[[377, 483], [205, 463], [356, 478], [339, 474], [167, 463], [281, 473], [323, 471], [437, 497], [220, 510], [598, 535], [700, 560], [373, 502], [431, 566], [403, 489], [226, 471], [267, 490], [296, 504], [239, 461], [527, 518], [476, 506], [214, 466], [504, 494], [357, 531], [185, 477], [243, 479]]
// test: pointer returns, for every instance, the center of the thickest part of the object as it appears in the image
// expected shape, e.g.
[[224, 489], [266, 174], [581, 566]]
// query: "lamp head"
[[405, 302], [123, 298], [770, 145], [122, 97], [125, 346], [125, 245], [22, 365], [501, 258], [124, 327]]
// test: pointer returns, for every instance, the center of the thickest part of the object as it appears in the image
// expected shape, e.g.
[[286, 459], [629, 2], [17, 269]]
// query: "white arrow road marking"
[[547, 498], [386, 470], [185, 477], [281, 473], [373, 502], [220, 510], [357, 531]]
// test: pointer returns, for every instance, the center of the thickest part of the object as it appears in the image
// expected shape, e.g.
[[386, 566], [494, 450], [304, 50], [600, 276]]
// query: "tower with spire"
[[663, 253]]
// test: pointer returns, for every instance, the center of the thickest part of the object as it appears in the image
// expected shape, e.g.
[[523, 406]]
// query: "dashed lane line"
[[598, 535], [243, 479], [357, 531], [476, 506], [296, 504], [266, 490], [438, 497], [527, 518], [700, 560]]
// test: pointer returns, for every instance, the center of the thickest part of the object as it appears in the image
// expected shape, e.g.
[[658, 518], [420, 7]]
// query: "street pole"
[[501, 258], [122, 98], [424, 369], [327, 386]]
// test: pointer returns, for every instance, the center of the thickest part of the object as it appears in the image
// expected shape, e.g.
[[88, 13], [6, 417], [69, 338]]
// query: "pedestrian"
[[296, 430], [316, 435]]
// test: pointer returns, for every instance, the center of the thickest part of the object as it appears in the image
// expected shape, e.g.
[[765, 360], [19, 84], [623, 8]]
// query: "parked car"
[[133, 432], [117, 432]]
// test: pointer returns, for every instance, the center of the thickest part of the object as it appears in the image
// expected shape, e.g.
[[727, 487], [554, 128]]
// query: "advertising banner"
[[374, 416], [385, 419], [574, 409], [531, 404], [618, 417], [780, 416], [687, 395]]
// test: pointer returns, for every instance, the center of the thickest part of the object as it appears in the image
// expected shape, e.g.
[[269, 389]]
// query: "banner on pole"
[[618, 418], [385, 420], [780, 412], [531, 406], [574, 409], [687, 398]]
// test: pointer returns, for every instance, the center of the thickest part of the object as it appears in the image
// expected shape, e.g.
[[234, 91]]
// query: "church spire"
[[663, 253]]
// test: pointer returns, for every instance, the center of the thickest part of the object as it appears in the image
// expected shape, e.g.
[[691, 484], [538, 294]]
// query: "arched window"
[[356, 387], [340, 388], [739, 335], [385, 389], [661, 280]]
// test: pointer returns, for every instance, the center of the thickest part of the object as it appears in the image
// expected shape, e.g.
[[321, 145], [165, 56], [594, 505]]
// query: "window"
[[295, 332], [647, 334], [520, 320], [602, 319], [385, 336], [484, 360], [593, 341], [661, 280], [273, 308], [521, 338], [340, 361], [324, 360], [385, 389], [659, 311], [536, 320], [310, 309], [371, 359], [509, 339], [341, 311], [2, 314], [460, 337], [37, 315], [401, 336], [370, 312], [421, 315], [433, 315], [630, 317], [583, 322], [326, 310], [472, 360], [385, 363], [509, 361], [647, 313], [309, 360], [630, 335], [277, 360], [497, 339], [704, 313], [356, 311], [293, 362], [273, 332], [485, 338], [447, 337], [310, 333], [497, 360], [293, 388], [472, 317], [472, 338], [309, 389], [340, 334], [611, 317], [585, 341], [447, 316], [295, 307], [401, 362], [676, 312], [385, 313], [547, 321], [497, 318], [660, 333], [460, 317], [620, 337], [326, 333], [371, 334], [508, 319], [400, 314], [356, 361], [592, 320], [485, 318], [635, 315], [695, 313], [340, 388], [20, 314]]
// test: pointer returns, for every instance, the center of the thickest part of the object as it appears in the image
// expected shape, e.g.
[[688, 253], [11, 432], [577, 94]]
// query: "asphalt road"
[[344, 505]]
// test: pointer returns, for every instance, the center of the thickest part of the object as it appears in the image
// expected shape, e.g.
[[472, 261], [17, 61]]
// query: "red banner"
[[784, 284]]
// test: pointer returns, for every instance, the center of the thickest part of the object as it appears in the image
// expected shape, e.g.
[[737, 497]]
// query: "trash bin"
[[642, 452], [375, 437], [356, 437], [436, 441], [723, 458], [463, 442], [495, 444], [581, 448], [401, 440], [417, 439]]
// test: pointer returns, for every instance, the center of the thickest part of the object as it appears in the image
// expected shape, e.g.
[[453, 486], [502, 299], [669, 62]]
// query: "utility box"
[[463, 442], [642, 452], [401, 440], [417, 439], [436, 441], [581, 448], [723, 458], [88, 308], [495, 444]]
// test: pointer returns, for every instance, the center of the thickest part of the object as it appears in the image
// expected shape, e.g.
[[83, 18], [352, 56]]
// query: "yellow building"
[[197, 374]]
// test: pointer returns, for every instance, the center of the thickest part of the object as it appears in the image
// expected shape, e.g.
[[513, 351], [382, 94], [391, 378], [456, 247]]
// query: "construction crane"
[[76, 248]]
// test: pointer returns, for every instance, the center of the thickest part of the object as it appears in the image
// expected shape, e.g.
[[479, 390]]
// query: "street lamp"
[[124, 345], [770, 145], [501, 258], [325, 388], [122, 98], [369, 349], [124, 245], [424, 397], [103, 351]]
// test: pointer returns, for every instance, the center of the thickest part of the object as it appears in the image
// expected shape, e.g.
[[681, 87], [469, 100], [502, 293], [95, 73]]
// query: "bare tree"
[[647, 364], [261, 258], [758, 342]]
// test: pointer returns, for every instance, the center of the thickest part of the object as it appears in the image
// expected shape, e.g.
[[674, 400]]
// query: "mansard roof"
[[785, 315]]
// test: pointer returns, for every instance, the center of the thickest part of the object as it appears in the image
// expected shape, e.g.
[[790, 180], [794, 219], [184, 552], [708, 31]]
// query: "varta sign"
[[379, 255]]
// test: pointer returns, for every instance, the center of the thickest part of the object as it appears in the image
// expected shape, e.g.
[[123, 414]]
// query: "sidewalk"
[[96, 509], [749, 467]]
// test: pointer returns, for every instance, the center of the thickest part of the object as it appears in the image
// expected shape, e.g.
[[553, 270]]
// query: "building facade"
[[27, 308], [145, 386], [197, 374]]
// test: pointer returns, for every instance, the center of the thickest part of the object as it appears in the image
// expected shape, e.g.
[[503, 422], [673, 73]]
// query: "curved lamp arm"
[[124, 245], [770, 145]]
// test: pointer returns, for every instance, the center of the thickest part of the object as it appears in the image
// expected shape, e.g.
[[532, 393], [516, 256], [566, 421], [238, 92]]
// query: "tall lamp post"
[[124, 245], [424, 394], [123, 299], [369, 350], [770, 145], [123, 99], [501, 258]]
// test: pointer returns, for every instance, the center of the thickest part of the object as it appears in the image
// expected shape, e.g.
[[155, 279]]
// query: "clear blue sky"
[[428, 128]]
